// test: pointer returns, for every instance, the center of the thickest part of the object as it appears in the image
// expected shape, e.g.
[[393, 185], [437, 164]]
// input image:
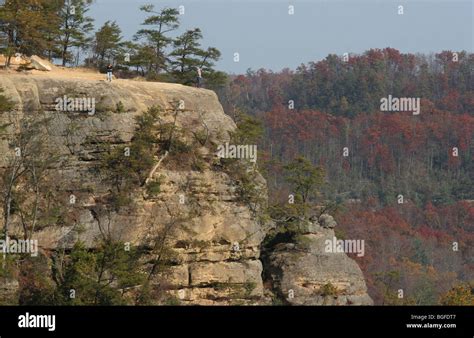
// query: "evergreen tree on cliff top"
[[188, 55], [74, 27], [159, 23], [107, 44]]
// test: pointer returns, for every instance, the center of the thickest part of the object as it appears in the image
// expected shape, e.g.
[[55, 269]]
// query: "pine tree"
[[185, 54], [304, 178], [163, 22], [74, 27], [107, 44], [139, 56], [188, 55]]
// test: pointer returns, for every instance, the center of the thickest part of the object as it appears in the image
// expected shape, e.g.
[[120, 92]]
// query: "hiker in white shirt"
[[199, 77]]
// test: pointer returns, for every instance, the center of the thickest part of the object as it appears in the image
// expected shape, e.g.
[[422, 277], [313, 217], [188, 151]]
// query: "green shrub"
[[5, 103], [120, 108], [329, 290], [153, 188], [127, 167], [99, 276]]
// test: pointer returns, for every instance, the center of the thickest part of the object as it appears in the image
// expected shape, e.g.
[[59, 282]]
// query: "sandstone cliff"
[[215, 237]]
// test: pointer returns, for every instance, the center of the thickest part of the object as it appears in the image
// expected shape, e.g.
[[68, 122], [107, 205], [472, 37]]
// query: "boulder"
[[38, 63]]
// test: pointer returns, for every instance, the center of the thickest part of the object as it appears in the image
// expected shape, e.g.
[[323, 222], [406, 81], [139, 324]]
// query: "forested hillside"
[[401, 181]]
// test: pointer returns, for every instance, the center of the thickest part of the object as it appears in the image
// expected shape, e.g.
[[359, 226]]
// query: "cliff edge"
[[202, 239]]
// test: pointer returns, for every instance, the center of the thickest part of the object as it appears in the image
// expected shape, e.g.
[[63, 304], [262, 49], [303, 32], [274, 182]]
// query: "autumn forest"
[[401, 181]]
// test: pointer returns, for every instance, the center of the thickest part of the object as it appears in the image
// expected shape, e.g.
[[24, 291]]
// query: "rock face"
[[306, 273], [216, 250], [215, 237]]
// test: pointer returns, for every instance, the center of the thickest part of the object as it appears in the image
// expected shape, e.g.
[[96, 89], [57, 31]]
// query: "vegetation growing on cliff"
[[5, 102], [249, 132], [25, 179], [99, 277], [289, 216]]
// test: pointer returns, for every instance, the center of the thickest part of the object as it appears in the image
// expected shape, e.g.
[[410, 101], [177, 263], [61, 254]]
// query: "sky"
[[265, 35]]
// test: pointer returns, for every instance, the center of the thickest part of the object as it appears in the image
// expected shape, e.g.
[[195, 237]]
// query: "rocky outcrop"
[[216, 250], [215, 237], [307, 273]]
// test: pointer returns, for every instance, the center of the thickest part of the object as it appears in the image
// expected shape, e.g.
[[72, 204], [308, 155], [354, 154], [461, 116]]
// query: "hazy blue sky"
[[265, 35]]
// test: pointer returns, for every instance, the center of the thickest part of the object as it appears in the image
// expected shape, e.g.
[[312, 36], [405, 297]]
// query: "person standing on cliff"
[[110, 70], [199, 77]]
